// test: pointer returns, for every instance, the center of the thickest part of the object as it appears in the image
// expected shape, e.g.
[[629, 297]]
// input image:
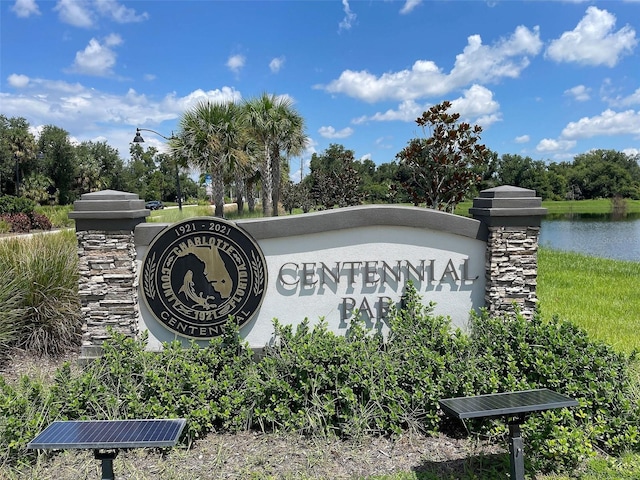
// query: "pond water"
[[595, 235]]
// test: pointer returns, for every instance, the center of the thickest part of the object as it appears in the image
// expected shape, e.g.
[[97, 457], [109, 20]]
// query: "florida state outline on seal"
[[199, 272]]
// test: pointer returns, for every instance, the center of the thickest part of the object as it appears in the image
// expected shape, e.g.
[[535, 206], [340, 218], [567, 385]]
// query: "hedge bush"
[[19, 213], [313, 381]]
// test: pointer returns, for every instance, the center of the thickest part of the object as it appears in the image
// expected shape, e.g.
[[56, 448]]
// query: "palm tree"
[[212, 138], [276, 127]]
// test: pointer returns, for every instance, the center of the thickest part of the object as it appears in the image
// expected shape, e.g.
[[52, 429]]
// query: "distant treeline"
[[51, 169]]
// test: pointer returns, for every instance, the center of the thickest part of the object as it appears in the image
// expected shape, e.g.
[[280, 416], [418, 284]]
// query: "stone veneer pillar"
[[108, 284], [512, 216]]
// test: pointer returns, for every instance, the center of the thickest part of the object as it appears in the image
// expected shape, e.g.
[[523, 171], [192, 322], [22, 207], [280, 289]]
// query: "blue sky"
[[544, 79]]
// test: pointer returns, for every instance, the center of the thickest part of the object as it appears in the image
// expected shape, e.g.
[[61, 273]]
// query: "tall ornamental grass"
[[39, 293]]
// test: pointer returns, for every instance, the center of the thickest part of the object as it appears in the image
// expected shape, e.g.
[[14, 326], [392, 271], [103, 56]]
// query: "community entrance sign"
[[333, 266], [183, 281], [200, 271]]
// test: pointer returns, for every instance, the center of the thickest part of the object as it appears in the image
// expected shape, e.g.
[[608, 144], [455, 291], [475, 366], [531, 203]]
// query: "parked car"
[[154, 205]]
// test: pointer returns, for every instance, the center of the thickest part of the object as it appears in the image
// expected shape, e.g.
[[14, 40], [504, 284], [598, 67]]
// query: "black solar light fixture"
[[513, 405], [107, 437]]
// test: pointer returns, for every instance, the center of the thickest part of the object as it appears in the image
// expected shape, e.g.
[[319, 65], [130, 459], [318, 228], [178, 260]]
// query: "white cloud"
[[236, 62], [593, 41], [84, 14], [608, 122], [97, 58], [579, 93], [522, 139], [276, 64], [476, 105], [633, 99], [25, 8], [381, 142], [477, 63], [632, 152], [349, 17], [75, 12], [18, 81], [86, 111], [550, 145], [409, 5], [330, 132], [178, 105], [407, 111], [119, 13]]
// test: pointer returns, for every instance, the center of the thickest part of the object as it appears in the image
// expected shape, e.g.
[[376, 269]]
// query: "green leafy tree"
[[36, 187], [277, 128], [99, 167], [525, 172], [606, 174], [373, 190], [18, 150], [139, 170], [59, 161], [439, 170]]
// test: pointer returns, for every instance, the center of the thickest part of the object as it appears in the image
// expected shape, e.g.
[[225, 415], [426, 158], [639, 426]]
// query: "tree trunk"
[[240, 186], [267, 184], [251, 200], [217, 184], [275, 171]]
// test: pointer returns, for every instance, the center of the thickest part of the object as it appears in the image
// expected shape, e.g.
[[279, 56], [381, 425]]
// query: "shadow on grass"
[[476, 467]]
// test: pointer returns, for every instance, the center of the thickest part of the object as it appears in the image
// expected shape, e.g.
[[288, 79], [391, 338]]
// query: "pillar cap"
[[508, 206], [110, 210]]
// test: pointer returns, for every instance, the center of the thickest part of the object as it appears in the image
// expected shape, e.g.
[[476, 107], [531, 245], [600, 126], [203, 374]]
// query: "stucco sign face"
[[200, 271]]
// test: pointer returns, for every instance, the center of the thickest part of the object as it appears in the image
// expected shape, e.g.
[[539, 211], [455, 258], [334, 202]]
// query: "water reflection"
[[600, 235]]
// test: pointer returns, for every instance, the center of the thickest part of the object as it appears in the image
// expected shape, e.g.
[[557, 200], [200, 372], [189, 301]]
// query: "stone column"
[[108, 283], [512, 216]]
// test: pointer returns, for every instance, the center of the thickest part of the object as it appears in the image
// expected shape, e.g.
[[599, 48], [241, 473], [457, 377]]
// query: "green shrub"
[[519, 354], [24, 412], [316, 382], [12, 205], [204, 385]]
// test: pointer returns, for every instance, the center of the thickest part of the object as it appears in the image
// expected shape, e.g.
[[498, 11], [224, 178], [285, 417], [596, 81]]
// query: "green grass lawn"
[[598, 294]]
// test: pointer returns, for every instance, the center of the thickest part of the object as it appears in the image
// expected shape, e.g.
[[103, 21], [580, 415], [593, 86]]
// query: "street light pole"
[[138, 139], [16, 158]]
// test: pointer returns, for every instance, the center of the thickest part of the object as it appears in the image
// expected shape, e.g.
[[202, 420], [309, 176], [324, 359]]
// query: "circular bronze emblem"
[[200, 271]]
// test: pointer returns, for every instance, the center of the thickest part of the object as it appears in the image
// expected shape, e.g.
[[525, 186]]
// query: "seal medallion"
[[198, 272]]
